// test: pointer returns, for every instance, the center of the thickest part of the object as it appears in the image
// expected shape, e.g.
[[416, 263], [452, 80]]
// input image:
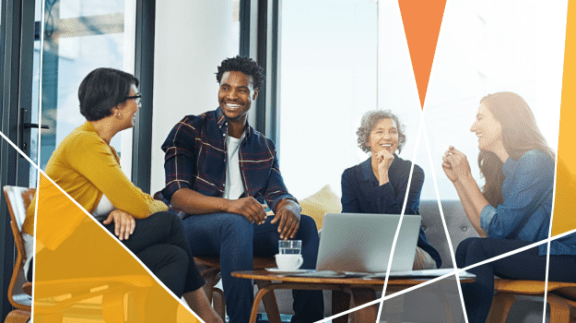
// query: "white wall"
[[488, 46], [323, 109], [192, 38]]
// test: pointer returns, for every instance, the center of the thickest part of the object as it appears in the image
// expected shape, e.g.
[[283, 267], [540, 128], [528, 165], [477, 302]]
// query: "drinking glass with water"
[[290, 247]]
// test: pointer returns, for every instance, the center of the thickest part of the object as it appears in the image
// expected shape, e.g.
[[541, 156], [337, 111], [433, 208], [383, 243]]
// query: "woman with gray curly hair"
[[380, 184]]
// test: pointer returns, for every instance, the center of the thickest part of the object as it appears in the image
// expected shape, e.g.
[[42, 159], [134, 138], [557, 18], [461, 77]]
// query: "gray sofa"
[[425, 306]]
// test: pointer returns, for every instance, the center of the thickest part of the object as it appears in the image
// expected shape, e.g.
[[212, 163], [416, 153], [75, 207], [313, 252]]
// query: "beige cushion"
[[319, 203]]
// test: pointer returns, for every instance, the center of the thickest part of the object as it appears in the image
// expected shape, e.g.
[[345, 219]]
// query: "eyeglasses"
[[136, 98]]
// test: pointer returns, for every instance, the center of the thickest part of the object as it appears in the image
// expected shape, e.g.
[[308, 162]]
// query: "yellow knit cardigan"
[[85, 167]]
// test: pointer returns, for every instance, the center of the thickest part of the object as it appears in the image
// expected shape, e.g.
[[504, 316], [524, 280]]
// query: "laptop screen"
[[358, 242]]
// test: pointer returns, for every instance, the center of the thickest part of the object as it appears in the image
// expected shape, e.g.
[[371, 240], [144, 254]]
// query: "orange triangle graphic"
[[422, 20], [83, 274]]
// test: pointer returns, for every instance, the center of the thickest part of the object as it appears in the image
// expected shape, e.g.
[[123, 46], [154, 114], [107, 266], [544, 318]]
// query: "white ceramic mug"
[[289, 262]]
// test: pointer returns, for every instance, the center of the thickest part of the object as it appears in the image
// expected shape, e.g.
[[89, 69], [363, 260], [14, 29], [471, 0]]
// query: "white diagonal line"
[[456, 271], [90, 216], [547, 272], [504, 255], [40, 93], [450, 246], [391, 258]]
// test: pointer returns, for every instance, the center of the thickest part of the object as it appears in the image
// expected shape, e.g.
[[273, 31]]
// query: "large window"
[[78, 37], [47, 49], [328, 79], [487, 47], [342, 58]]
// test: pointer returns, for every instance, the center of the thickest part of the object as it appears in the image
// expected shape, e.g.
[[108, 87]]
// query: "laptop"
[[360, 243]]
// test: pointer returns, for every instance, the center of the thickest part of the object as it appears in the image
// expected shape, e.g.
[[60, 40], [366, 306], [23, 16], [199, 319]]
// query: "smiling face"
[[128, 109], [384, 135], [235, 96], [487, 129]]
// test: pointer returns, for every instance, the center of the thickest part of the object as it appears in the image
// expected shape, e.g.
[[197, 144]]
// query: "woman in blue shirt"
[[379, 184], [513, 208]]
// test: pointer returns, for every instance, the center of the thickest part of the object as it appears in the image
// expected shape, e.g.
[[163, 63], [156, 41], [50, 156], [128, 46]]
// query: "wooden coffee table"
[[268, 281]]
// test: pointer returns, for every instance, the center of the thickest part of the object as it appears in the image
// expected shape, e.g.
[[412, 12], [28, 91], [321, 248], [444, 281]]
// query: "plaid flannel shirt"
[[196, 159]]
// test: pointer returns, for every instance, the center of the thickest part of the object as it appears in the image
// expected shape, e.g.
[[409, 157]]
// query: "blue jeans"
[[526, 265], [237, 241]]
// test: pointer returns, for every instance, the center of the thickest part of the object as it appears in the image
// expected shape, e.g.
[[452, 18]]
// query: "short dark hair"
[[245, 65], [103, 89], [369, 121]]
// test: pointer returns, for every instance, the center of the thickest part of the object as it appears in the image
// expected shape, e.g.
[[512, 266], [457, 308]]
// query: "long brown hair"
[[519, 135]]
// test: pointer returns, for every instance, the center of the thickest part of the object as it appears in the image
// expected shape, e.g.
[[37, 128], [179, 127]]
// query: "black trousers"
[[526, 265], [158, 241]]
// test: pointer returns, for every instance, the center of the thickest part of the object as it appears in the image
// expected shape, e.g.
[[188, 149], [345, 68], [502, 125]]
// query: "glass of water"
[[290, 247]]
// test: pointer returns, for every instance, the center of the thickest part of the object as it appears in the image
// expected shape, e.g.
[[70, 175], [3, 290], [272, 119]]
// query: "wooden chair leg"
[[209, 291], [52, 318], [137, 311], [501, 304], [211, 280], [113, 307], [17, 316], [270, 305], [219, 303], [559, 309]]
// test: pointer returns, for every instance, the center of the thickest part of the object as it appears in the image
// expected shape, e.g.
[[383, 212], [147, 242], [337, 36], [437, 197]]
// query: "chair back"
[[18, 199]]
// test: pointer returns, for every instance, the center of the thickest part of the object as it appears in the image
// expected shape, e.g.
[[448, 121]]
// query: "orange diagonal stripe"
[[422, 20], [564, 219], [85, 274]]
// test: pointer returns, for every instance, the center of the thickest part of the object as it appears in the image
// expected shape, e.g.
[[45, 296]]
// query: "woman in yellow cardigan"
[[87, 168]]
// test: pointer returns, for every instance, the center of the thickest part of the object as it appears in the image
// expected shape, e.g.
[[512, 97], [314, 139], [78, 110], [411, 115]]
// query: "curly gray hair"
[[369, 120]]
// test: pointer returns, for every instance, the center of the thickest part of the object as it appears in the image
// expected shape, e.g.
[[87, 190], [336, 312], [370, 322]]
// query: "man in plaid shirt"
[[219, 171]]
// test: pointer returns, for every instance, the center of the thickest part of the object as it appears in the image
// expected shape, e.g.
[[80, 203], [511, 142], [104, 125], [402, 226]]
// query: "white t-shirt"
[[103, 209], [234, 187]]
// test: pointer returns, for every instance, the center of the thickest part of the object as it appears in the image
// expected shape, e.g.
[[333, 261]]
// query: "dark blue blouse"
[[361, 193]]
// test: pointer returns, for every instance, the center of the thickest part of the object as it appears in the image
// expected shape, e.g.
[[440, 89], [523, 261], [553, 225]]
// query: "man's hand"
[[124, 223], [288, 213], [248, 207]]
